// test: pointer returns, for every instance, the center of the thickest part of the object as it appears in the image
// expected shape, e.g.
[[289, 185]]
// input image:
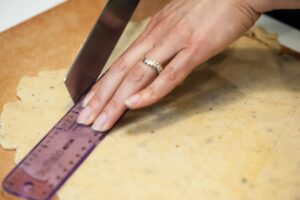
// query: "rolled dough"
[[230, 131]]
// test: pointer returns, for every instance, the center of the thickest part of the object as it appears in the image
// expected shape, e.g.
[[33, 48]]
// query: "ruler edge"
[[73, 169]]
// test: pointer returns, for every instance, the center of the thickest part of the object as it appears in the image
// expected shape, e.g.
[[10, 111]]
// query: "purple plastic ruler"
[[40, 174], [49, 164]]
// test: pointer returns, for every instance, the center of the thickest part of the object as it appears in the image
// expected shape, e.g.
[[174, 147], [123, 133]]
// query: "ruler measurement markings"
[[48, 165]]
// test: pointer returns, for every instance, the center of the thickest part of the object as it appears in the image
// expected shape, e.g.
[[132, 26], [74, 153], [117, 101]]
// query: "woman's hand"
[[181, 36]]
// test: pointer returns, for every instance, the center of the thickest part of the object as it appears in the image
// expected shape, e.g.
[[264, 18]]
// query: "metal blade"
[[98, 46]]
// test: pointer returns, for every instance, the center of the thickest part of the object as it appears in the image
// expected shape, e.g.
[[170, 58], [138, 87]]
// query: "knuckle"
[[193, 55], [137, 73], [181, 29], [167, 42], [153, 21], [196, 40], [164, 16], [250, 15], [150, 40], [97, 97], [194, 51], [189, 20], [188, 16], [170, 74], [157, 16], [120, 65], [149, 26], [151, 93], [185, 29], [113, 104], [177, 29]]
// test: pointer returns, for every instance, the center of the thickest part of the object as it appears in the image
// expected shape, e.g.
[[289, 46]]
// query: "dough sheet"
[[230, 131]]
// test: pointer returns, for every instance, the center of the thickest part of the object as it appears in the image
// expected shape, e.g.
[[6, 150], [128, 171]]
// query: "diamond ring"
[[153, 64]]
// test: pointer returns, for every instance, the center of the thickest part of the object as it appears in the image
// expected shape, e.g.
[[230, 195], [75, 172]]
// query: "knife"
[[40, 174], [98, 47]]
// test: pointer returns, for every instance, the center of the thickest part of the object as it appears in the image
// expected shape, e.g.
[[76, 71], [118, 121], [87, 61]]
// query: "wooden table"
[[48, 42]]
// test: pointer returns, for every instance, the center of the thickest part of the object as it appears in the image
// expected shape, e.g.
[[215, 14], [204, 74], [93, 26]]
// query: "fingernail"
[[87, 98], [84, 116], [101, 123], [133, 100]]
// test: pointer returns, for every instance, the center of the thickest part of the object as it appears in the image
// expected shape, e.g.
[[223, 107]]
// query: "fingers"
[[174, 73], [102, 92], [138, 78]]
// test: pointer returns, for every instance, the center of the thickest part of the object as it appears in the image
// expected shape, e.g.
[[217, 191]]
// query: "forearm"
[[261, 6]]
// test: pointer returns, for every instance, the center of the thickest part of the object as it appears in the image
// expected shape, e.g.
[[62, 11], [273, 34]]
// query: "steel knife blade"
[[98, 46]]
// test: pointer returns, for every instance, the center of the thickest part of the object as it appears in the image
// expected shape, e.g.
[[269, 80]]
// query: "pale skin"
[[184, 34]]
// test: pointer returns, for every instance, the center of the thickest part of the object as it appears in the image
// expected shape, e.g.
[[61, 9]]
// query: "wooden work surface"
[[48, 42]]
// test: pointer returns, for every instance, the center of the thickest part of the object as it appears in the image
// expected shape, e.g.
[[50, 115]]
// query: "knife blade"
[[98, 46]]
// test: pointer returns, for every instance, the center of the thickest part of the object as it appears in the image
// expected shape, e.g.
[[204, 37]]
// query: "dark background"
[[290, 17]]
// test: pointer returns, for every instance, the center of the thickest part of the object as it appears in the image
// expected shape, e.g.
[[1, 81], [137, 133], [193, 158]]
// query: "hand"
[[181, 36]]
